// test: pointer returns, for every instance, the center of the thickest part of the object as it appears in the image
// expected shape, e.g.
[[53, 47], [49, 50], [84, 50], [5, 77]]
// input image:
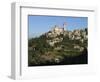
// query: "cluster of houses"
[[56, 31], [78, 34]]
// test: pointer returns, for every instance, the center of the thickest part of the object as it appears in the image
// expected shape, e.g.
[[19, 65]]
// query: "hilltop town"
[[77, 34], [58, 45]]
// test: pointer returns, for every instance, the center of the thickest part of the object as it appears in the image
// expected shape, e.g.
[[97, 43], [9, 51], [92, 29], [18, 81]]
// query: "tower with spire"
[[64, 26]]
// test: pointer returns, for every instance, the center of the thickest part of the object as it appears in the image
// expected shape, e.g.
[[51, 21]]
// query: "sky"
[[38, 25]]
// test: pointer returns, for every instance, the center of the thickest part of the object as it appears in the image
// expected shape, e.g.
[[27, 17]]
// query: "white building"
[[58, 30]]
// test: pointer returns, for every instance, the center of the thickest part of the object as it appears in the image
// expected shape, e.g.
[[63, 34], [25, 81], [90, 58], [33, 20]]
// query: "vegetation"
[[40, 53]]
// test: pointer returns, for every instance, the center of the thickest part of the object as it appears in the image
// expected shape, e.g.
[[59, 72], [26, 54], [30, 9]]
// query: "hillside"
[[58, 47]]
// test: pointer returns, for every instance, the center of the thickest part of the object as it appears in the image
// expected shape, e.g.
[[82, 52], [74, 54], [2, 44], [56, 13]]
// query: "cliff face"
[[58, 46]]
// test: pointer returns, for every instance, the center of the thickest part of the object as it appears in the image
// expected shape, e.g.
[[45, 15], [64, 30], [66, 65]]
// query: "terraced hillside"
[[58, 48]]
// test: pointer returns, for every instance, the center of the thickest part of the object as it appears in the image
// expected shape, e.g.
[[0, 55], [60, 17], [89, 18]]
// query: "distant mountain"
[[58, 46]]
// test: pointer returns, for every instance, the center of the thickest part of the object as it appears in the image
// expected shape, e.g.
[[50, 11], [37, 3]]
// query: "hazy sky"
[[41, 24]]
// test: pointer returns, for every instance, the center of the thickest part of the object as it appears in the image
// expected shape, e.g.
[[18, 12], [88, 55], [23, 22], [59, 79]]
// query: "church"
[[58, 30]]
